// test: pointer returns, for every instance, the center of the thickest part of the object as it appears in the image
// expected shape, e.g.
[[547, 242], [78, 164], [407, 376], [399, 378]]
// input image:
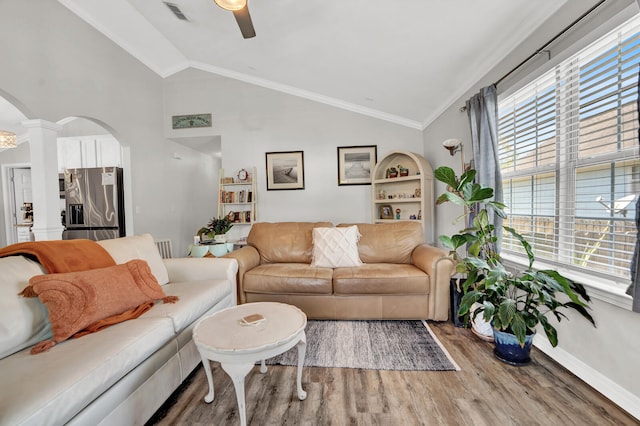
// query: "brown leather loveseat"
[[401, 277]]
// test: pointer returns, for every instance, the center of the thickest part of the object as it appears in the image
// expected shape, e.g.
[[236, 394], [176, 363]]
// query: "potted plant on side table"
[[216, 229], [513, 302]]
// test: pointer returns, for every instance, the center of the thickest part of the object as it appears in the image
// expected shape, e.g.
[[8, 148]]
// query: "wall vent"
[[176, 11], [164, 247]]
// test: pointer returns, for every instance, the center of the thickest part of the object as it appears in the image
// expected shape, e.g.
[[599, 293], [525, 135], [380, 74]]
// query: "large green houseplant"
[[515, 302]]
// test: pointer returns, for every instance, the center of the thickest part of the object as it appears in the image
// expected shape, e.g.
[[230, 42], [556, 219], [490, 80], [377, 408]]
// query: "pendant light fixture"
[[231, 5], [7, 139]]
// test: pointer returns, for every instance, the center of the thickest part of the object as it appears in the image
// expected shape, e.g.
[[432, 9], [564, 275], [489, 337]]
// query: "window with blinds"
[[570, 160]]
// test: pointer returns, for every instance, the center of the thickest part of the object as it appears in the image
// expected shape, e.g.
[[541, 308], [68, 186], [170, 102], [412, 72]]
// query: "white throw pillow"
[[24, 321], [138, 247], [336, 247]]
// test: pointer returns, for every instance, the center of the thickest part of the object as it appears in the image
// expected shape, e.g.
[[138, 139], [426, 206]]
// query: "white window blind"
[[570, 160]]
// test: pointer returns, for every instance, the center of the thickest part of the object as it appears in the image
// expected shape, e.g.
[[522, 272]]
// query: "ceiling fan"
[[240, 10]]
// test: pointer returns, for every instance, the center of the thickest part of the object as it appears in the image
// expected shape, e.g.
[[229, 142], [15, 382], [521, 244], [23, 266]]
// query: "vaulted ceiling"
[[400, 61], [405, 62]]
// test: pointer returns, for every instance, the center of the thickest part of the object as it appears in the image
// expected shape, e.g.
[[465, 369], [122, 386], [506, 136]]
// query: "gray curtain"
[[482, 110]]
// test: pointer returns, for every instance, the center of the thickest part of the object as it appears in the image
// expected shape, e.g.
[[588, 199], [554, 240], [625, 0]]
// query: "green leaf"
[[519, 328], [525, 244], [506, 311], [467, 301], [549, 330], [450, 196], [475, 193], [467, 177], [447, 242], [446, 175]]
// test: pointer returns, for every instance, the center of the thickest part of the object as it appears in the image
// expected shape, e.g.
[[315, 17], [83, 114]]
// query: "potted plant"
[[216, 227], [392, 172], [513, 302], [403, 171]]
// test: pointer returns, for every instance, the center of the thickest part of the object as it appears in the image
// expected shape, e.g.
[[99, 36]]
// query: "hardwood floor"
[[485, 392]]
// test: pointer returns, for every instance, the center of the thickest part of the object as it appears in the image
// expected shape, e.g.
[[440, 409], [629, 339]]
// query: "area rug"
[[374, 345]]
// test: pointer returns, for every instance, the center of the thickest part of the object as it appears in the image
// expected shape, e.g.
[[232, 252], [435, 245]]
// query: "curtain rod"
[[547, 44]]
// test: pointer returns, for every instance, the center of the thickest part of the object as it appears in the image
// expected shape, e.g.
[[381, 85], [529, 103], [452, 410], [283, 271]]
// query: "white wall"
[[605, 357], [253, 120], [56, 66]]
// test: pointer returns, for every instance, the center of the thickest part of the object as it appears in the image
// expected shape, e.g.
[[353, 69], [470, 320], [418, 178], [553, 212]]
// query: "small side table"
[[222, 337]]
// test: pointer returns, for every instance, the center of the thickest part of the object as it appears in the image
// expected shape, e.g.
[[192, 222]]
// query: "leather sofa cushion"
[[284, 242], [288, 278], [388, 242], [380, 278]]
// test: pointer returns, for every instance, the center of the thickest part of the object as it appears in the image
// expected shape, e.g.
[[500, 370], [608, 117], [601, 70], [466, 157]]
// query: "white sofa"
[[120, 375]]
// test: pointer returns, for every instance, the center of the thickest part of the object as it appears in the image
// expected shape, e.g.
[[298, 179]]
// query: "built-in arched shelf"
[[411, 194]]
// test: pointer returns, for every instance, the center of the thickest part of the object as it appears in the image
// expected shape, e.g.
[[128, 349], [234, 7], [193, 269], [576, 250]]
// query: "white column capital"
[[43, 124]]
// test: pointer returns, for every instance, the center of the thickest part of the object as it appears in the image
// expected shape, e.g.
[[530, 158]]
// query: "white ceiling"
[[405, 62]]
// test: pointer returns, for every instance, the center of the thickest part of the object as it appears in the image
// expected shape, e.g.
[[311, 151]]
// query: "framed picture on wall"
[[285, 170], [355, 164]]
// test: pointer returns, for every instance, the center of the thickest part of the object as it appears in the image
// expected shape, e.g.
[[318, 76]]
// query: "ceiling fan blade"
[[243, 18]]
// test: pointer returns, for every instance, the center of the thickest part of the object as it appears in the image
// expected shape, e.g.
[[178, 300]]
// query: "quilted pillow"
[[83, 302], [336, 247]]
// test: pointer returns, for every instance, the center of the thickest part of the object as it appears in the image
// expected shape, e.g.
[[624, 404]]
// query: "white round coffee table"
[[224, 338]]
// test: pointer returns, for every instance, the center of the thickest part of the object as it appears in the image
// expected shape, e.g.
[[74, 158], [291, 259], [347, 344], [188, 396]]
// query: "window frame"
[[604, 286]]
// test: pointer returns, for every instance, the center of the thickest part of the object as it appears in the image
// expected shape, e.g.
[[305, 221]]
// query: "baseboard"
[[617, 394]]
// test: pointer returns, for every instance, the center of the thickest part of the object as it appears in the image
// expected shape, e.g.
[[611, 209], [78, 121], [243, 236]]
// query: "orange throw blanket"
[[63, 255]]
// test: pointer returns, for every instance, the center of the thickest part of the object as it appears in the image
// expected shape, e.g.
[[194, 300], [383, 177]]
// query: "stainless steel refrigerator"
[[94, 202]]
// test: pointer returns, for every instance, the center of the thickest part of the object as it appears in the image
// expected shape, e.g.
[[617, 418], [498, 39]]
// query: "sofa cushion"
[[137, 247], [77, 300], [52, 387], [381, 278], [288, 278], [23, 321], [388, 242], [284, 242], [336, 247], [196, 298]]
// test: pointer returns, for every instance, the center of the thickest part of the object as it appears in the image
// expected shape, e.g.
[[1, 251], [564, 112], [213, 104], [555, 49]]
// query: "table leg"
[[238, 372], [302, 351], [207, 370], [263, 366]]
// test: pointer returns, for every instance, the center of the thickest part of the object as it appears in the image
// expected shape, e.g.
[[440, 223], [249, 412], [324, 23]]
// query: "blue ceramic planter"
[[509, 350]]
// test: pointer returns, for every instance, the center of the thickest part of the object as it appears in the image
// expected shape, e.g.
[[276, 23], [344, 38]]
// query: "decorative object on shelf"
[[417, 193], [392, 172], [285, 170], [243, 176], [216, 226], [191, 121], [403, 171], [398, 213], [513, 302], [386, 211], [356, 163], [7, 139]]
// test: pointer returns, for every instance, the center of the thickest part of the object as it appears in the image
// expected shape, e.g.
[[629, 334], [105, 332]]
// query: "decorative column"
[[43, 144]]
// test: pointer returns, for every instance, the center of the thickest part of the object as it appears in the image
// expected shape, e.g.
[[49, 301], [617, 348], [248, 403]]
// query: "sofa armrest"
[[201, 268], [440, 267], [247, 258]]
